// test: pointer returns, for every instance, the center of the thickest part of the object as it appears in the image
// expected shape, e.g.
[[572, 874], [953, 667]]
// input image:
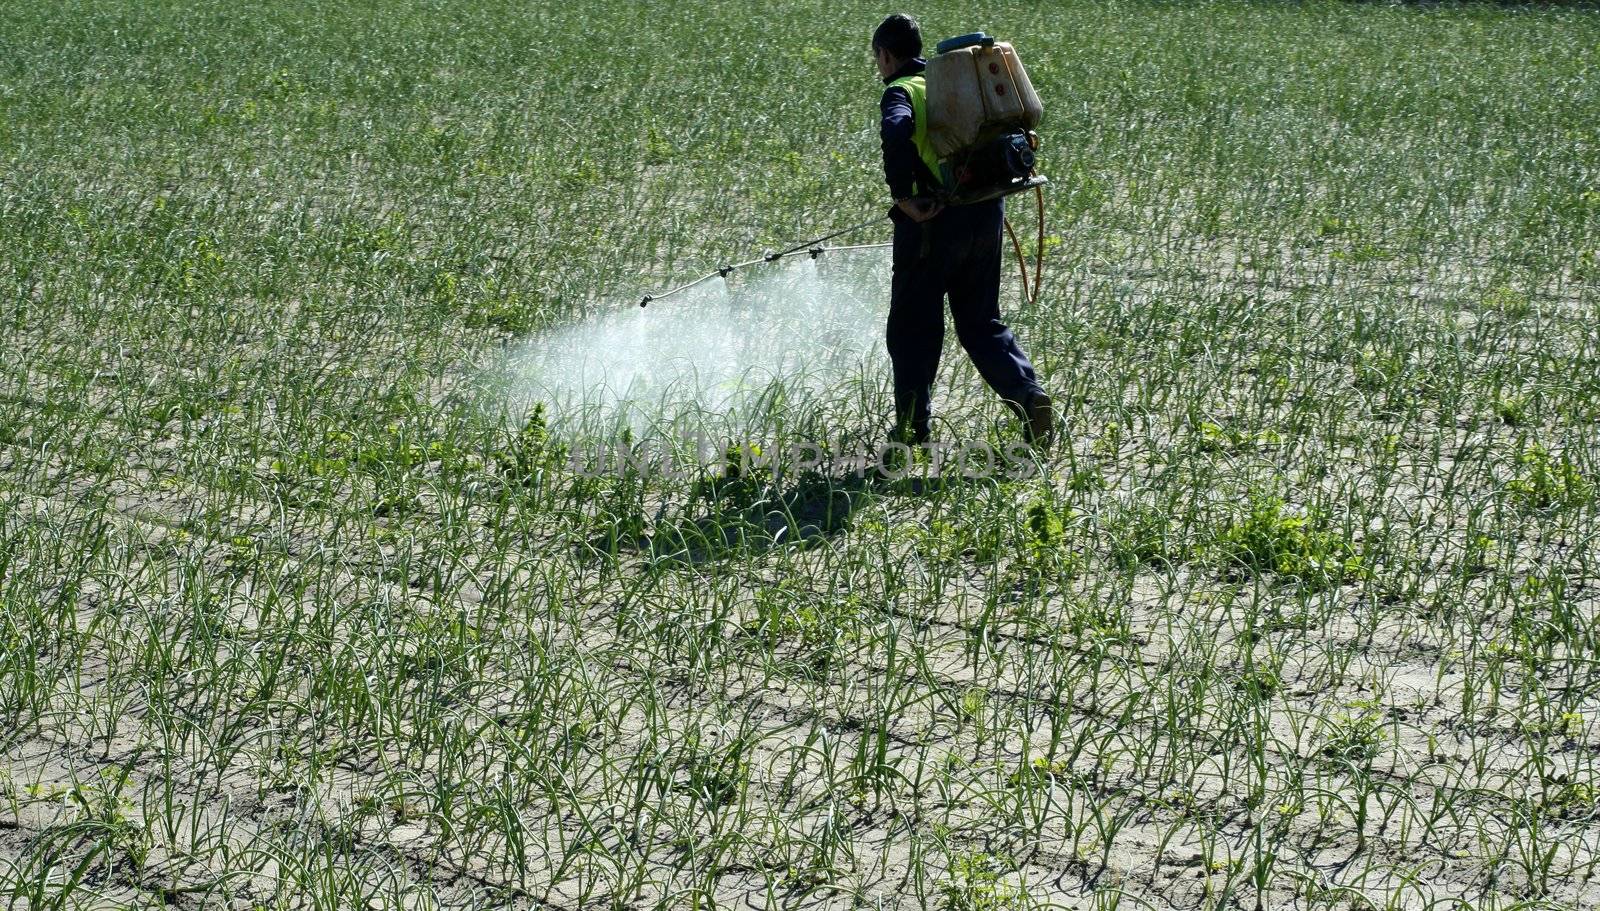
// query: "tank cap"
[[961, 41]]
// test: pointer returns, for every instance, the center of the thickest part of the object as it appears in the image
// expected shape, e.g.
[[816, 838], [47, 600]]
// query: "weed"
[[1566, 798], [1545, 482], [531, 453], [1142, 534], [1295, 545], [1508, 303], [1356, 735], [1045, 551], [1217, 438], [977, 883], [1260, 683]]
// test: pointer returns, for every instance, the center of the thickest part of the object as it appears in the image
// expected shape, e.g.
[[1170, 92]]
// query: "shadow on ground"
[[732, 516]]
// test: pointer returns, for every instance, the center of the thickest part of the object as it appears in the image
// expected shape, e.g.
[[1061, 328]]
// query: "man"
[[941, 249]]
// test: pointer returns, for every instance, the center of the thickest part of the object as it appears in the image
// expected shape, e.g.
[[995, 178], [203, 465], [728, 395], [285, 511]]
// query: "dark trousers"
[[956, 253]]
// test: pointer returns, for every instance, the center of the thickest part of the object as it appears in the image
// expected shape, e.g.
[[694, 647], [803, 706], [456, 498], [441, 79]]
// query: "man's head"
[[897, 40]]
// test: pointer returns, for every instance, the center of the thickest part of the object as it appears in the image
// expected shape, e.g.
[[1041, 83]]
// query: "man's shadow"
[[732, 516]]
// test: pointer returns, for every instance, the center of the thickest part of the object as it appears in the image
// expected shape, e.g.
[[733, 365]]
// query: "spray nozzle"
[[725, 271], [816, 251], [646, 301]]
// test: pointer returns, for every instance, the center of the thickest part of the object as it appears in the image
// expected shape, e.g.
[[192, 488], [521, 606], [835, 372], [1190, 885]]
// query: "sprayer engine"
[[999, 166]]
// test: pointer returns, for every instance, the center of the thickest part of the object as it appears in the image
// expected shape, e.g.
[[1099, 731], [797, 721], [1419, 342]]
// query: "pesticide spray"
[[799, 329]]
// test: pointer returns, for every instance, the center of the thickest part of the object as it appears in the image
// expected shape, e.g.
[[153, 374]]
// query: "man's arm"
[[899, 152], [900, 158]]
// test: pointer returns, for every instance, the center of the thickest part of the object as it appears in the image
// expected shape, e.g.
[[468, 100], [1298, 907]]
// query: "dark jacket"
[[902, 166]]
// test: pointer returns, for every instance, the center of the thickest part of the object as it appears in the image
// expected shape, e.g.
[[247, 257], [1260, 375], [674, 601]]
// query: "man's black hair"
[[900, 35]]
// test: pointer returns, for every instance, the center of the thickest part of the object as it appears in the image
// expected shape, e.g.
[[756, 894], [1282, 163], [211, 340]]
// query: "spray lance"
[[813, 247], [981, 110]]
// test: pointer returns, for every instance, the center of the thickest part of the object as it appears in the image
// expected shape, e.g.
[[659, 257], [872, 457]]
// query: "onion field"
[[308, 601]]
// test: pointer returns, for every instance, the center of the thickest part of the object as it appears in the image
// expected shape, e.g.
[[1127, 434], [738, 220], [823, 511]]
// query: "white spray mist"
[[803, 326]]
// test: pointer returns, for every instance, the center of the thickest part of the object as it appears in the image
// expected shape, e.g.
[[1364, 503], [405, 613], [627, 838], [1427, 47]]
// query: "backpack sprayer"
[[981, 110], [981, 113]]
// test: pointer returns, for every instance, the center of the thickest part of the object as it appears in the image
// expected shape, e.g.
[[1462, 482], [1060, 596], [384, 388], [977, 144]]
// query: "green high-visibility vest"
[[917, 88]]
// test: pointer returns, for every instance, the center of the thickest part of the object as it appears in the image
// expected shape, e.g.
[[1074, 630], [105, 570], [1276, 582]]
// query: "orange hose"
[[1022, 264], [1038, 258]]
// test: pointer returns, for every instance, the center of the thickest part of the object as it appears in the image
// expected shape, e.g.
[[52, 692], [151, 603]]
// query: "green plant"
[[1045, 551], [1143, 534], [531, 453], [1356, 735], [977, 883], [738, 485], [1270, 537], [1544, 481], [1507, 302], [1217, 438]]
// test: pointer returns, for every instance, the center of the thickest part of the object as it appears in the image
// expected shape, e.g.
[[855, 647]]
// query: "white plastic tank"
[[976, 90]]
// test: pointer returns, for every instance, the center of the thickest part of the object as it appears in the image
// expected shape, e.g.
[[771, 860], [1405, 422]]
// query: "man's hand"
[[919, 208]]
